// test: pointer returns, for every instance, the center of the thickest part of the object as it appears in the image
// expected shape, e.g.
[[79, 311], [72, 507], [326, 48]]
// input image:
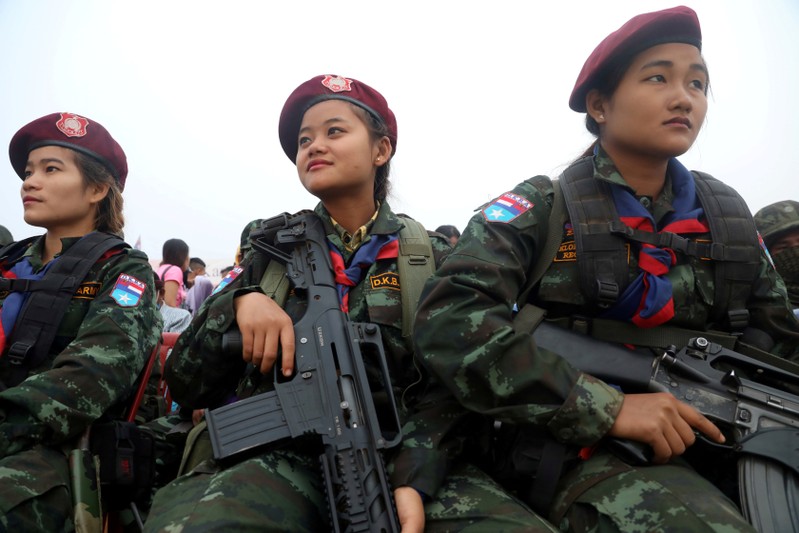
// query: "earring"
[[601, 117], [378, 159]]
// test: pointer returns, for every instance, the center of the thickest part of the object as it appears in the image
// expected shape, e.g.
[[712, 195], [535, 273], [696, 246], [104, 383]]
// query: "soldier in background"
[[73, 173], [5, 236], [778, 224]]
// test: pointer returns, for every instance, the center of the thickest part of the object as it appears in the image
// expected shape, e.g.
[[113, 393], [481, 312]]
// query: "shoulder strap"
[[170, 267], [733, 228], [416, 264], [40, 317], [530, 315], [13, 249], [275, 283], [602, 255]]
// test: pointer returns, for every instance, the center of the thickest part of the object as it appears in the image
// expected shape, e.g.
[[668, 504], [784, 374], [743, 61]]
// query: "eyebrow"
[[326, 122], [666, 63], [46, 160]]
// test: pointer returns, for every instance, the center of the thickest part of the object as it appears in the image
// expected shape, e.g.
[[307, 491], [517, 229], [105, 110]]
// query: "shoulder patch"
[[506, 208], [128, 291], [765, 249], [233, 274]]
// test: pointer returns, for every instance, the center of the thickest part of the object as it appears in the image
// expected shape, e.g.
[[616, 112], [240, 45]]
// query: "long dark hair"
[[174, 252], [109, 216]]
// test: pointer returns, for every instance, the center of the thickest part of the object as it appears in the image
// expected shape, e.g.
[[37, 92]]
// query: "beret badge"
[[72, 125], [337, 84]]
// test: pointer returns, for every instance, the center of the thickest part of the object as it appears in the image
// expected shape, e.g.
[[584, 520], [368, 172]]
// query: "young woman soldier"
[[62, 371], [341, 135], [644, 89]]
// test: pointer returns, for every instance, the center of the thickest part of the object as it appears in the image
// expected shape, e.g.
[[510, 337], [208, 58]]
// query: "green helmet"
[[5, 236], [776, 219]]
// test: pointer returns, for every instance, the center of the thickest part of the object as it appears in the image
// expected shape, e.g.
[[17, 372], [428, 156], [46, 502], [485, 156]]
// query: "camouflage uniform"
[[97, 355], [281, 490], [773, 222], [464, 332]]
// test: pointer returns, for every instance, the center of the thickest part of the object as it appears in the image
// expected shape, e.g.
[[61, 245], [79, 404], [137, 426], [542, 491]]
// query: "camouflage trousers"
[[282, 491], [604, 494], [34, 491]]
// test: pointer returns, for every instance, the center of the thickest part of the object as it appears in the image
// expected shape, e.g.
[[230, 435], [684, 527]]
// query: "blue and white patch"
[[233, 274], [128, 291], [506, 208], [765, 249]]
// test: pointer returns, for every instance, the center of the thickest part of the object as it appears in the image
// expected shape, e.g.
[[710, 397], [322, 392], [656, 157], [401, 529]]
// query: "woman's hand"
[[663, 422], [264, 326], [410, 509]]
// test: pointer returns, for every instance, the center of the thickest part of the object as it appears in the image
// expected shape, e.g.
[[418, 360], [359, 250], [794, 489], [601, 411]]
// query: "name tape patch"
[[389, 280], [88, 290]]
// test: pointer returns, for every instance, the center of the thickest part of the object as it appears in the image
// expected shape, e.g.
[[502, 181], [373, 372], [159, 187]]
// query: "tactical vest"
[[600, 238], [38, 321]]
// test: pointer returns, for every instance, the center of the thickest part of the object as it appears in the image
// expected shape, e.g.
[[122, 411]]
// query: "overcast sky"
[[192, 90]]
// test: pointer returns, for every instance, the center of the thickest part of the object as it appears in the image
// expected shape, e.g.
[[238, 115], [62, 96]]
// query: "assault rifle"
[[328, 395], [753, 401]]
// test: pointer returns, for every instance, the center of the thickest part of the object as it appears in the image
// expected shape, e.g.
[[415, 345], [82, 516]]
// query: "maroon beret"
[[70, 131], [676, 25], [331, 87]]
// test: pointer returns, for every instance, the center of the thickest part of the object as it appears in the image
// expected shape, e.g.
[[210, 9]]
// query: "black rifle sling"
[[38, 321], [738, 259]]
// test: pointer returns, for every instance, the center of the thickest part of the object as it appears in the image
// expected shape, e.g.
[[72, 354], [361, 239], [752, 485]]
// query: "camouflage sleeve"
[[464, 330], [199, 373], [93, 373], [431, 439], [771, 310]]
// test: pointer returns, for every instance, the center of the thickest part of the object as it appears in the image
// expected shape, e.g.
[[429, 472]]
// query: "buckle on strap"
[[738, 318], [18, 352], [607, 292]]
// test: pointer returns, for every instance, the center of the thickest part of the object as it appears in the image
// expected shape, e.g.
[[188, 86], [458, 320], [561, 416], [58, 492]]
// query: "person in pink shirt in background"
[[174, 263]]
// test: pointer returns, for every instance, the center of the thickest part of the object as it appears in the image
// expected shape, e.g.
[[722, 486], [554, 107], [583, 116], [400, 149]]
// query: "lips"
[[683, 121], [317, 163], [27, 199]]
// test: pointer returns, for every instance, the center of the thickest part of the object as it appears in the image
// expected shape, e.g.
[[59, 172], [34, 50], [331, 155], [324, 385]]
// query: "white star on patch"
[[124, 298], [496, 213]]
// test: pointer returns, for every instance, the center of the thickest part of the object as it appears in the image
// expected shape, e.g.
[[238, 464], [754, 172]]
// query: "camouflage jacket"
[[99, 351], [464, 329], [200, 375]]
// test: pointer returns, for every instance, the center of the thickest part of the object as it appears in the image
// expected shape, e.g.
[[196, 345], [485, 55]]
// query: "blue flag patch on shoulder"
[[506, 208], [233, 274], [128, 291]]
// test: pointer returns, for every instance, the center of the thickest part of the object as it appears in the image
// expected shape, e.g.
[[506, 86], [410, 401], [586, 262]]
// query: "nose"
[[316, 145], [681, 99], [30, 182]]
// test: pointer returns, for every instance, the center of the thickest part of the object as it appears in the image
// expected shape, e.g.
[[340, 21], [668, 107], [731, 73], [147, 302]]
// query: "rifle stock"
[[328, 395]]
